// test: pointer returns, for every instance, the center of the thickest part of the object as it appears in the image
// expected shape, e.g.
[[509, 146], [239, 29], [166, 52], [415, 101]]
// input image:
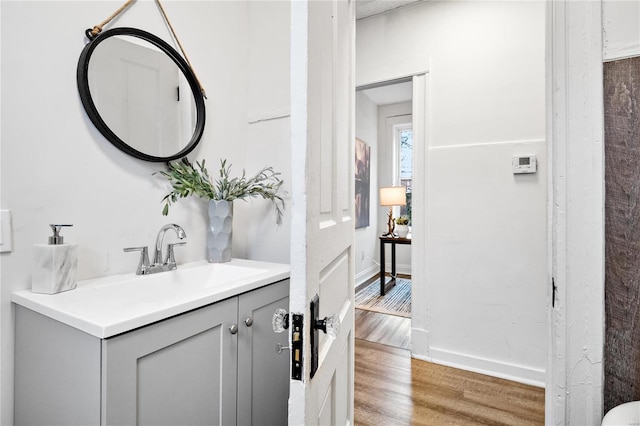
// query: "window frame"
[[397, 158]]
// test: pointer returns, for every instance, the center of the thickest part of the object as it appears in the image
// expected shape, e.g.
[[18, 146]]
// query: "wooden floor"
[[386, 329], [391, 388]]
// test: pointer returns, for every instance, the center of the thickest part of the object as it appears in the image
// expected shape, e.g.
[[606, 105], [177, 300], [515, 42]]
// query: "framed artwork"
[[363, 183]]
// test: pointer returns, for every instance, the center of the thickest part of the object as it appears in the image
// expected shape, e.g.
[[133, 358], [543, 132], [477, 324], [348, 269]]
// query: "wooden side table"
[[384, 287]]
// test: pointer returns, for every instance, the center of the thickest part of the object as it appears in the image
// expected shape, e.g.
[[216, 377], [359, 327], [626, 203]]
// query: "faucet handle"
[[171, 260], [143, 264]]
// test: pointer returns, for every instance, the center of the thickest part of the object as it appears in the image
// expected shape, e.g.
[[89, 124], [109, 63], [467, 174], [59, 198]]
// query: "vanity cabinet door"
[[180, 371], [263, 373]]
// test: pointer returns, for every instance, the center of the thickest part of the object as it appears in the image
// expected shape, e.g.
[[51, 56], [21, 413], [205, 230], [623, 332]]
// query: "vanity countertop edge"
[[84, 309]]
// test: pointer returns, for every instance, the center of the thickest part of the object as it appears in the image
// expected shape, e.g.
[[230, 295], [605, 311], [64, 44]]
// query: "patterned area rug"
[[396, 302]]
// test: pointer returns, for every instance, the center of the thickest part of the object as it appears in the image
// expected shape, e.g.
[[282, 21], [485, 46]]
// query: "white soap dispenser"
[[54, 264]]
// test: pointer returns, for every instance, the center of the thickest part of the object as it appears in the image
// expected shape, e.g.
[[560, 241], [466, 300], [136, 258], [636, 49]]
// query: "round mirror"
[[141, 94]]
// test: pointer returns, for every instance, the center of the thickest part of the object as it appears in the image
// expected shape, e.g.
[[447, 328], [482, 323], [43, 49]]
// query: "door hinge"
[[296, 346]]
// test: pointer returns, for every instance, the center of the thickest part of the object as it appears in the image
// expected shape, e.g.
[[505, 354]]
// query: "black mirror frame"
[[94, 115]]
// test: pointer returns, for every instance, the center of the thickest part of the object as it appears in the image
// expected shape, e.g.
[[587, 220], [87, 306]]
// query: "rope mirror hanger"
[[92, 33], [156, 122]]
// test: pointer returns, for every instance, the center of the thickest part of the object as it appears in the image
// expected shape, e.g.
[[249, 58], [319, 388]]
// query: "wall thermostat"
[[524, 164]]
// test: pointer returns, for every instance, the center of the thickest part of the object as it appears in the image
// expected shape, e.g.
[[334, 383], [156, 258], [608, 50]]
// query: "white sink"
[[108, 306], [163, 285]]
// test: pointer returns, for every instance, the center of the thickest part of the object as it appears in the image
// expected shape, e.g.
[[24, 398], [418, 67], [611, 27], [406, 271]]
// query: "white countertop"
[[108, 306]]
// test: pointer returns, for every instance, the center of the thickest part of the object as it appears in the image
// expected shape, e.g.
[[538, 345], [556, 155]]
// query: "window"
[[404, 144]]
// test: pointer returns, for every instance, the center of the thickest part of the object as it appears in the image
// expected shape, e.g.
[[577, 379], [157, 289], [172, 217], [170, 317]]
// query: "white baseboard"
[[400, 268], [367, 274], [419, 339], [516, 373], [372, 270]]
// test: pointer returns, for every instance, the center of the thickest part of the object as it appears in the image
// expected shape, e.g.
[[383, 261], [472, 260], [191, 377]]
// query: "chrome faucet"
[[157, 256], [159, 264]]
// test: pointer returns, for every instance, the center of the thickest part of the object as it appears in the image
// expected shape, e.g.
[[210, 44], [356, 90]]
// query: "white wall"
[[365, 242], [486, 228], [57, 167], [621, 29], [268, 133]]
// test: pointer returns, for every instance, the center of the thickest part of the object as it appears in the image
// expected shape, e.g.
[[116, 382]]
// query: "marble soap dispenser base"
[[54, 268]]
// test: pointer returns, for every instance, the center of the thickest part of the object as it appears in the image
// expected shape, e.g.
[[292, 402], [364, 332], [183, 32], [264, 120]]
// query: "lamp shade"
[[393, 196]]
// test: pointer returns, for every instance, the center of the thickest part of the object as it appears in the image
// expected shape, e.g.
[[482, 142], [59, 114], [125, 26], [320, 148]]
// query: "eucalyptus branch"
[[187, 180]]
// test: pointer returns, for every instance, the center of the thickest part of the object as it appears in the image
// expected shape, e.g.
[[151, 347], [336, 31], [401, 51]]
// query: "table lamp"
[[392, 196]]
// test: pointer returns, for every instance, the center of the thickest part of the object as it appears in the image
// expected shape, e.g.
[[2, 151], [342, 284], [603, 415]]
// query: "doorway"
[[482, 249], [413, 404], [385, 124]]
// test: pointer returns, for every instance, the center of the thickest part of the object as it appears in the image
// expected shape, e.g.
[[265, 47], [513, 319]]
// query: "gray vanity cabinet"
[[216, 365], [180, 371]]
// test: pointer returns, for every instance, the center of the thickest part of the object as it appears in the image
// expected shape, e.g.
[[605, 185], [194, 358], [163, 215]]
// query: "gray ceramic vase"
[[220, 231]]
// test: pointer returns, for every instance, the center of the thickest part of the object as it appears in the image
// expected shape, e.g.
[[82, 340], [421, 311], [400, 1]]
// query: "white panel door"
[[322, 111]]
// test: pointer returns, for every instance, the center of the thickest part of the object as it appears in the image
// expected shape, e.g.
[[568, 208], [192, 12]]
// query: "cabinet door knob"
[[248, 322], [233, 329]]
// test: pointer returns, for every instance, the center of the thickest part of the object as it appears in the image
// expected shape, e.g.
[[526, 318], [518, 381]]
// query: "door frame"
[[420, 111], [575, 145]]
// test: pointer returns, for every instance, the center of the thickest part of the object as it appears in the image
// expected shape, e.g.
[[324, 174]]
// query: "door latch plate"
[[296, 346]]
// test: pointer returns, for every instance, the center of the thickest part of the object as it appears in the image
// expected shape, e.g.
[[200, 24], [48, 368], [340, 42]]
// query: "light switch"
[[6, 236]]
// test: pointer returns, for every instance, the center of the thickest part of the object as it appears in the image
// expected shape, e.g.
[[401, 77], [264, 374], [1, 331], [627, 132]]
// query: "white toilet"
[[624, 414]]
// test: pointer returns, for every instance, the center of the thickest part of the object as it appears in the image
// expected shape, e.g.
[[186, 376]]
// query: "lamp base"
[[391, 224]]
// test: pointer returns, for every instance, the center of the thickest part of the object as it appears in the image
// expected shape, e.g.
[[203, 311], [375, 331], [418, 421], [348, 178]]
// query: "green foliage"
[[187, 180], [402, 220]]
